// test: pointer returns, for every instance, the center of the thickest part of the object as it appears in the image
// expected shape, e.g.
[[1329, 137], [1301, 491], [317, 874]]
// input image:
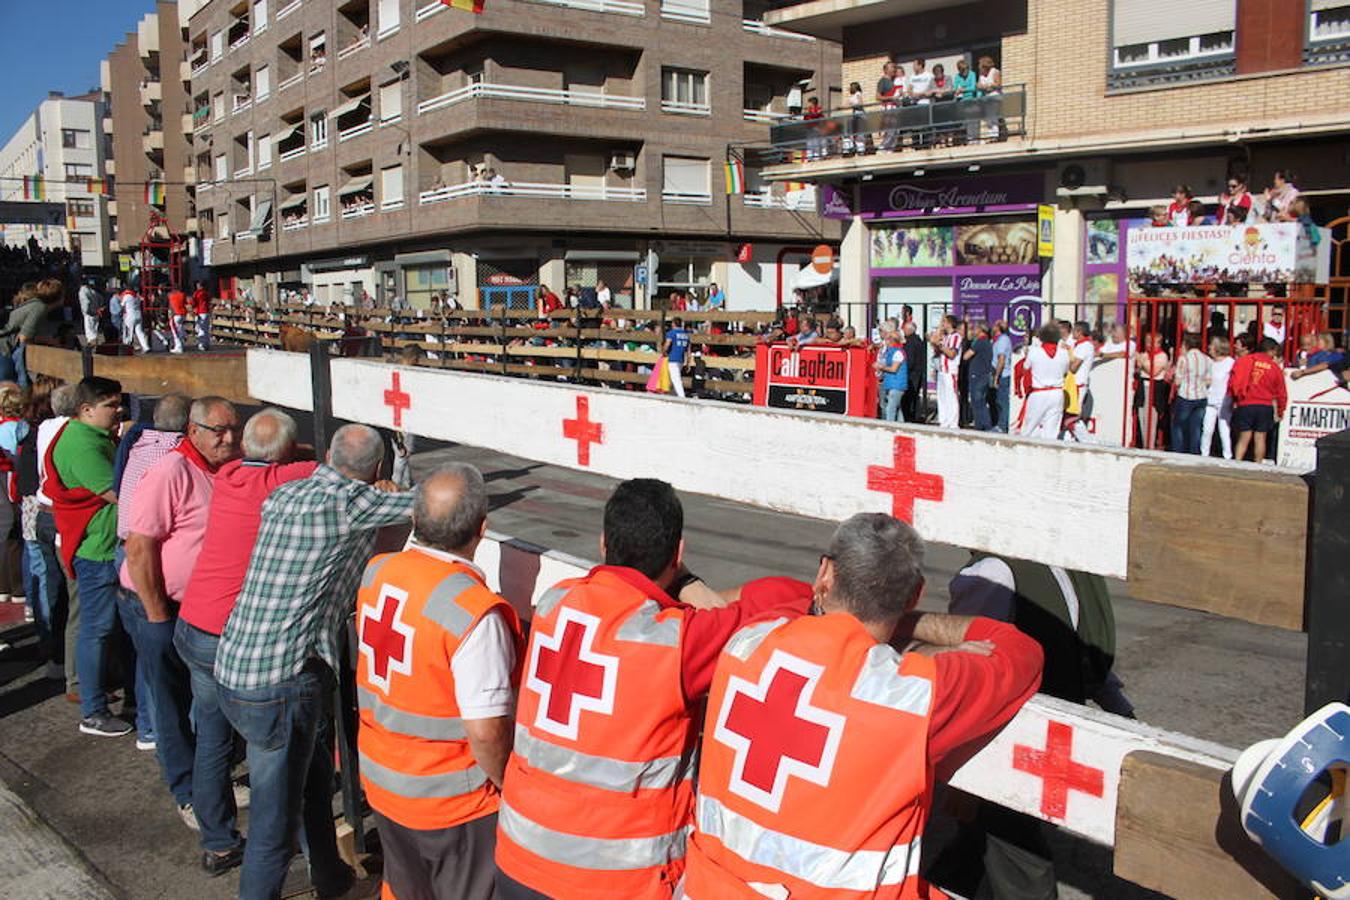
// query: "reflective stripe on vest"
[[597, 771], [644, 628], [373, 569], [607, 854], [744, 642], [548, 600], [399, 721], [441, 607], [880, 682], [825, 867], [445, 784]]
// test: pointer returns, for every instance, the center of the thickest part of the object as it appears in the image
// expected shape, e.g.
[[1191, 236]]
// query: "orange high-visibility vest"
[[413, 610], [598, 796], [814, 777]]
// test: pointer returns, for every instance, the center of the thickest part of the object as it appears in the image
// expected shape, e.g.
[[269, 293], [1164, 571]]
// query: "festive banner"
[[1208, 254], [735, 171], [154, 193], [99, 186], [34, 187], [473, 6]]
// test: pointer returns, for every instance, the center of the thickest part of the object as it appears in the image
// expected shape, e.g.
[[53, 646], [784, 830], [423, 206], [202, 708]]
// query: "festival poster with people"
[[912, 247], [1207, 254]]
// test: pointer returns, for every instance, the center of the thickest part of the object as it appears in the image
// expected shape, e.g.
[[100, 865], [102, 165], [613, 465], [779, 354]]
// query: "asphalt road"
[[1213, 678]]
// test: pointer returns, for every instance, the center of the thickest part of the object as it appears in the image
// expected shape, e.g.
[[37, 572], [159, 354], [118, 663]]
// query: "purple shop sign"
[[935, 197], [986, 298]]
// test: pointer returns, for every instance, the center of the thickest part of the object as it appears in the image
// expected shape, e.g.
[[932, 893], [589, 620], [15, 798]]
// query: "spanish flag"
[[473, 6], [100, 186], [735, 177], [154, 193], [790, 186], [34, 187]]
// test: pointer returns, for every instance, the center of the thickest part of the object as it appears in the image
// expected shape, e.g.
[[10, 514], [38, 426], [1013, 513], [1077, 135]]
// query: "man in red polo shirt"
[[201, 311], [177, 316], [241, 486], [1259, 395]]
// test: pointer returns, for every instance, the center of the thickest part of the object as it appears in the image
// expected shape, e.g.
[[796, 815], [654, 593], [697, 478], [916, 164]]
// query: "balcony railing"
[[537, 95], [295, 224], [243, 173], [689, 198], [427, 11], [920, 126], [241, 104], [391, 204], [288, 82], [355, 47], [678, 11], [358, 210], [618, 7], [201, 118], [686, 109], [200, 67], [754, 26], [763, 116], [293, 154], [240, 41], [288, 9], [356, 131], [766, 199], [532, 189]]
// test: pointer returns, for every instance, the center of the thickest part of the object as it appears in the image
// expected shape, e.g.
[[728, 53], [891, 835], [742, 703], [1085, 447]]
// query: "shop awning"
[[351, 106], [357, 185], [808, 277]]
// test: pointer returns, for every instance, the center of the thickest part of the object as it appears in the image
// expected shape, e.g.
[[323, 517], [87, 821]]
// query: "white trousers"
[[203, 331], [90, 329], [948, 401], [177, 332], [1222, 416], [1045, 409], [133, 328], [676, 382]]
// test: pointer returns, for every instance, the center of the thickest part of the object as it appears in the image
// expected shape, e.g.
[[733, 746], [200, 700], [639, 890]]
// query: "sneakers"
[[145, 742], [189, 817], [217, 864], [104, 726]]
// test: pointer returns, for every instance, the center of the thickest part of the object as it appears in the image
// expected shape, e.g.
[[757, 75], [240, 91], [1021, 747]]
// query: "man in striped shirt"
[[947, 342], [1191, 379]]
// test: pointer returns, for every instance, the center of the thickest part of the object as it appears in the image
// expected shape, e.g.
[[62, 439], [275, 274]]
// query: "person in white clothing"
[[1219, 406], [90, 305], [133, 325], [1047, 365], [947, 342], [1274, 329], [1083, 355]]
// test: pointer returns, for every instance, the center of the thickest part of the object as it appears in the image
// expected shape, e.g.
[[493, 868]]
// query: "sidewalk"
[[37, 863]]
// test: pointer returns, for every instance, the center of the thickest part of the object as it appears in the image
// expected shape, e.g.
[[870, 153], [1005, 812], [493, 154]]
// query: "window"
[[318, 51], [318, 130], [684, 91], [391, 101], [264, 152], [322, 200], [223, 225], [218, 107], [1329, 21], [79, 170], [81, 208], [1161, 33], [685, 180], [423, 281], [683, 273], [391, 187], [217, 45], [387, 22], [262, 82], [75, 138], [222, 167], [259, 15]]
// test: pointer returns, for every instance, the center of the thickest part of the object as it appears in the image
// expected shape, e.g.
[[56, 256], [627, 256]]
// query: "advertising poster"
[[1103, 242], [912, 246], [817, 377], [1318, 405], [1016, 299], [996, 244], [1207, 254]]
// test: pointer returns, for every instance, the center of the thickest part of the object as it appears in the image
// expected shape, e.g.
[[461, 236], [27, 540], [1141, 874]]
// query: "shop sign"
[[1319, 405], [1016, 299], [1045, 231], [820, 378], [936, 197]]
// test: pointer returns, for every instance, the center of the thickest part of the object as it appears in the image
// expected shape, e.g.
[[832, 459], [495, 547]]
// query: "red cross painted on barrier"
[[583, 431], [775, 732], [1056, 768], [386, 640], [569, 675], [397, 399], [904, 482]]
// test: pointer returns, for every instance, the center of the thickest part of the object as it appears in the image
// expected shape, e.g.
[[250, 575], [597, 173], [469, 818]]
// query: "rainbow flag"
[[473, 6], [70, 223], [34, 187], [735, 170], [154, 193], [99, 186]]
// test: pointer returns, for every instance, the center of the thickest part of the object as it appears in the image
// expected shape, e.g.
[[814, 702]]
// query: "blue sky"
[[56, 45]]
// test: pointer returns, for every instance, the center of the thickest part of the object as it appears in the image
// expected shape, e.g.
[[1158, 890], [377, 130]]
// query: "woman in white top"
[[854, 141], [1047, 364], [989, 81], [1219, 409]]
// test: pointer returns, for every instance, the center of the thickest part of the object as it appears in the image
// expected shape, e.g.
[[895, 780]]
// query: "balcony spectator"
[[1179, 210], [1235, 204], [854, 140], [807, 332], [888, 95], [717, 300], [603, 294], [546, 301], [920, 89], [1325, 356], [1275, 328], [814, 115], [990, 83], [1280, 197], [1218, 402]]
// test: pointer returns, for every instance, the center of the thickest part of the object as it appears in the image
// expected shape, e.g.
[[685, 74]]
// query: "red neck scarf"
[[1050, 349], [189, 449]]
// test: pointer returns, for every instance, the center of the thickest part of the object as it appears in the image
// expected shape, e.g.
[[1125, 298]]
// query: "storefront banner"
[[996, 244], [1016, 299], [1318, 405], [912, 246], [1206, 254], [936, 197], [817, 377]]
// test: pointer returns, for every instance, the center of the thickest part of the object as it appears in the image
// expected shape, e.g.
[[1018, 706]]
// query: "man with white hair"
[[241, 486], [278, 654]]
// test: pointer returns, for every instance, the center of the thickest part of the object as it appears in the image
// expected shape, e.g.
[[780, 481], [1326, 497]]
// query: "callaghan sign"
[[819, 377], [935, 197]]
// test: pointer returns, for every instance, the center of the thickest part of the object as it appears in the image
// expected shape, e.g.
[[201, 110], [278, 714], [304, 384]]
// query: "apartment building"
[[403, 147], [1104, 108], [61, 142], [145, 82]]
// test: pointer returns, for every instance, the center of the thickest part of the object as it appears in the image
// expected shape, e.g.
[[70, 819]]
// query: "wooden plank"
[[1262, 541], [1178, 832]]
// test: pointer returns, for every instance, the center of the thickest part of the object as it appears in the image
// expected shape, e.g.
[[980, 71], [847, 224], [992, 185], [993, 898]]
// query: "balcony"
[[245, 172], [201, 119], [295, 224], [428, 10], [189, 175], [184, 70], [151, 92], [358, 210], [293, 154], [110, 166], [112, 208], [153, 142], [804, 200], [687, 11], [107, 125], [199, 62], [617, 7], [190, 224], [687, 198], [686, 109], [536, 95], [754, 26], [528, 189], [185, 124], [289, 8], [391, 204], [762, 116], [356, 131], [290, 82], [239, 42], [354, 47], [241, 103], [992, 118]]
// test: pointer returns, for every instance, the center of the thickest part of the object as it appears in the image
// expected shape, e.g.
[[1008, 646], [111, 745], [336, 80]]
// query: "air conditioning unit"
[[622, 162], [1083, 178]]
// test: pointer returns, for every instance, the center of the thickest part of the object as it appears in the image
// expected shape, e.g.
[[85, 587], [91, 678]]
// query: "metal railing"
[[754, 26], [243, 173], [532, 189], [619, 7], [917, 126], [681, 108], [287, 82], [358, 211], [686, 197], [289, 155], [766, 199], [355, 47], [288, 9], [241, 104], [693, 13], [295, 225], [489, 91], [391, 204], [240, 41], [763, 116], [356, 131], [428, 10]]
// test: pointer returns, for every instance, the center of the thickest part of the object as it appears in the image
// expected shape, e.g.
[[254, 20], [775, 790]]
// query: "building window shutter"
[[685, 175], [391, 100], [1146, 21]]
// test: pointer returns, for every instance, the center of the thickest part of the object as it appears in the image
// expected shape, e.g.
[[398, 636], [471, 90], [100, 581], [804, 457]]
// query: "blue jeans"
[[892, 413], [170, 694], [131, 613], [98, 614], [20, 359], [1188, 422], [212, 792], [979, 403], [7, 370], [1004, 402], [289, 729]]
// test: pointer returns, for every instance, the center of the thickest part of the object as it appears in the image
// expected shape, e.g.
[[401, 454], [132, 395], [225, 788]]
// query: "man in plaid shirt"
[[278, 654]]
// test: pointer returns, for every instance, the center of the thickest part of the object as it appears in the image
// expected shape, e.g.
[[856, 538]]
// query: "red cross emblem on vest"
[[775, 732], [386, 640], [569, 675]]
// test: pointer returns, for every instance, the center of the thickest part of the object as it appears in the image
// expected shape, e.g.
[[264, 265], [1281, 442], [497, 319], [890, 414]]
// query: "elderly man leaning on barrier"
[[598, 794], [822, 738], [277, 659], [436, 685]]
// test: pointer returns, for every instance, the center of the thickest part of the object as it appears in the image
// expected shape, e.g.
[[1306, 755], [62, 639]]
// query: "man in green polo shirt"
[[85, 507]]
